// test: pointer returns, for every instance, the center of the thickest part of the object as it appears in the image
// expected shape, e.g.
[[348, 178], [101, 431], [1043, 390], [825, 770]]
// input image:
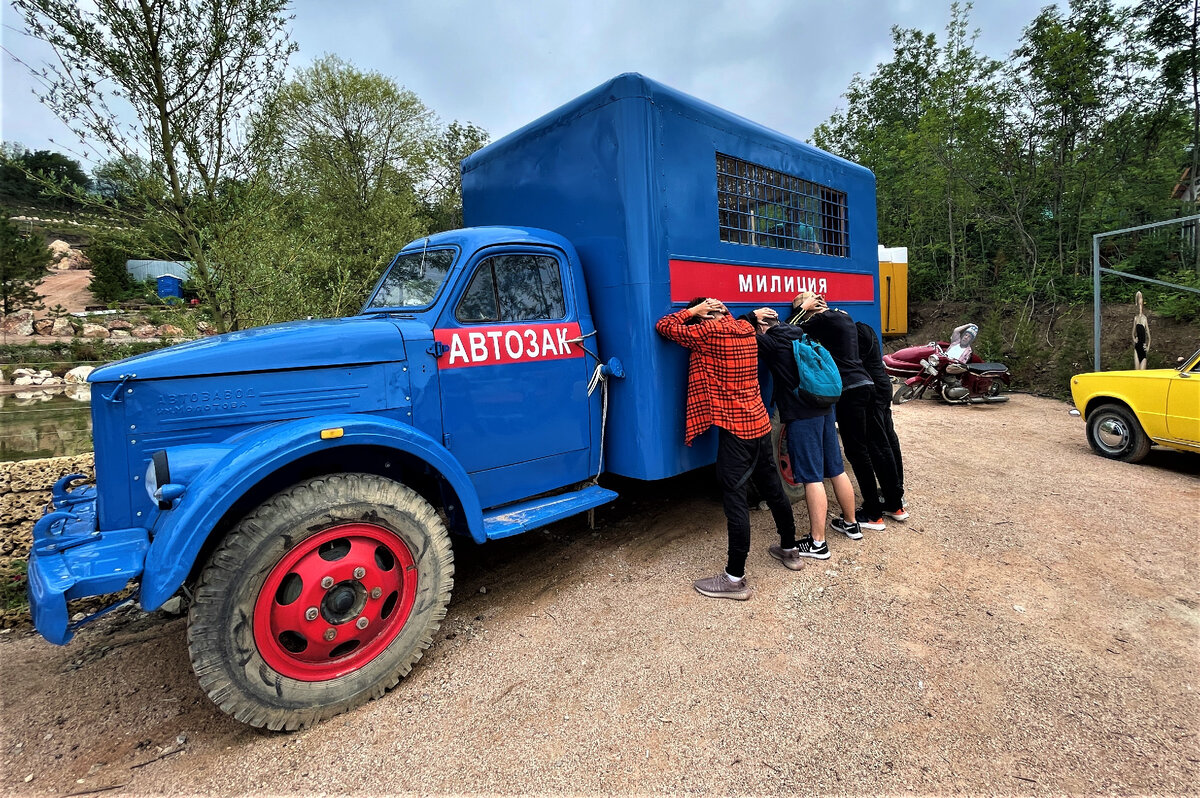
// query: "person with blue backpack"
[[870, 454], [805, 385]]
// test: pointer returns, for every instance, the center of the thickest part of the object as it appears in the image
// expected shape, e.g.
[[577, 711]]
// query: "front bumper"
[[72, 558]]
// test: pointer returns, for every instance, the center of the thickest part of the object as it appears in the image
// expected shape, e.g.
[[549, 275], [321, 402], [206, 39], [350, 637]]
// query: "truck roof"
[[469, 239], [630, 85]]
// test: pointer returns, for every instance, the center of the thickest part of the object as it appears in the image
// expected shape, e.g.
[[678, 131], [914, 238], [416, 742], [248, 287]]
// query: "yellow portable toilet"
[[893, 290]]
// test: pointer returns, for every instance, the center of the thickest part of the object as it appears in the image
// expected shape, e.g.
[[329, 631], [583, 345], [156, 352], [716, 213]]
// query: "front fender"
[[183, 530]]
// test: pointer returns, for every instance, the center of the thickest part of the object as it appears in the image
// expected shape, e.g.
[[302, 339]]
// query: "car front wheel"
[[1114, 432]]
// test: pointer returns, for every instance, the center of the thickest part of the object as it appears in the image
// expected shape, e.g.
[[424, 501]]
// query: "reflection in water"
[[45, 422]]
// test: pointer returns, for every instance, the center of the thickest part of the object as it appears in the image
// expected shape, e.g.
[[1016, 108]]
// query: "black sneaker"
[[850, 530], [807, 547]]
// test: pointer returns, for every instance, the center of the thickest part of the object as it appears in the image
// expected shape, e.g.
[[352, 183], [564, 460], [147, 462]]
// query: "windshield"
[[414, 279]]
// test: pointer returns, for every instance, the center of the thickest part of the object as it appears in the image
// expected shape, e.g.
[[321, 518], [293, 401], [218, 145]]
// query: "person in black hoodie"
[[872, 358], [870, 455], [812, 442]]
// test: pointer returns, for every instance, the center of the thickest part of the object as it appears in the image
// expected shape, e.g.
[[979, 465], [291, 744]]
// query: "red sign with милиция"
[[767, 284]]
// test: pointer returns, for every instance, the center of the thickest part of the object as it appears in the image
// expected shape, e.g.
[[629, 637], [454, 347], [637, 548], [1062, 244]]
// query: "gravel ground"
[[1032, 629]]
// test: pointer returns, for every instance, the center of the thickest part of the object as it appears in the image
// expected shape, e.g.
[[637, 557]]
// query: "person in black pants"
[[870, 455], [872, 359]]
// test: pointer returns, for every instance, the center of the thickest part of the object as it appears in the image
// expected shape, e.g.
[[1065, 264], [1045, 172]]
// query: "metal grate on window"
[[760, 207]]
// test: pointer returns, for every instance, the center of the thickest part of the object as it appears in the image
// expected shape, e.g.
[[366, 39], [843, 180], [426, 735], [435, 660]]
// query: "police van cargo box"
[[667, 197]]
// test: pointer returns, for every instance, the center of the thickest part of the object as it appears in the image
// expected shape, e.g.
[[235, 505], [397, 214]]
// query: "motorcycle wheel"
[[904, 393]]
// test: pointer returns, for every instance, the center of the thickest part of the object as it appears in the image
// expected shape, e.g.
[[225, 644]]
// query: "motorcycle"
[[950, 370]]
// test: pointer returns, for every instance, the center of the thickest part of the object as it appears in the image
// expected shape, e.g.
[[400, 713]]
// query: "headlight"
[[934, 360]]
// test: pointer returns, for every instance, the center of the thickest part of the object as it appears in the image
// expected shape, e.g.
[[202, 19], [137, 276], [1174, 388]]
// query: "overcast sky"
[[502, 63]]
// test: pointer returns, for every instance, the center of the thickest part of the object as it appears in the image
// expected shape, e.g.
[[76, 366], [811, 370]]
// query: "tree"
[[23, 263], [442, 189], [1173, 27], [28, 177], [351, 146], [111, 281], [191, 70], [351, 166]]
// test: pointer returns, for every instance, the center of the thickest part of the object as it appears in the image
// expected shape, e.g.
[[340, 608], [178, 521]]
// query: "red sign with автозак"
[[766, 284]]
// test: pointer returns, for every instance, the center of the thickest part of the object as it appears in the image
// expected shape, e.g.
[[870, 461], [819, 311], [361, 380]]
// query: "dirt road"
[[1032, 629]]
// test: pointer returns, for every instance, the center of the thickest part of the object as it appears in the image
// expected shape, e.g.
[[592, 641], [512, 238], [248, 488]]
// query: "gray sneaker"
[[789, 557], [721, 586]]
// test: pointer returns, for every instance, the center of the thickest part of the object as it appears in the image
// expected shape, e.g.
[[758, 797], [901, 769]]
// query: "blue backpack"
[[820, 382]]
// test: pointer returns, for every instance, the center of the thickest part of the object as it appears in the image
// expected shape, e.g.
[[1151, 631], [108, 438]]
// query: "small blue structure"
[[169, 285]]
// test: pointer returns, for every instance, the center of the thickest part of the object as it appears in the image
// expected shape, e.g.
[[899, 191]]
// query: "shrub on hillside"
[[110, 279]]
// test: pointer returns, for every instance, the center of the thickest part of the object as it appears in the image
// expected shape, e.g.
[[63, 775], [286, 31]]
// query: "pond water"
[[49, 422]]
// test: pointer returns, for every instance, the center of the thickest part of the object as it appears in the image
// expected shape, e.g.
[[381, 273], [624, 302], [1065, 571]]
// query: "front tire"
[[905, 393], [320, 600], [1114, 432]]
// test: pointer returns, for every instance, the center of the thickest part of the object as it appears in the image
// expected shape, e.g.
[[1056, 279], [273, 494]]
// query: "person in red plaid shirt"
[[723, 392]]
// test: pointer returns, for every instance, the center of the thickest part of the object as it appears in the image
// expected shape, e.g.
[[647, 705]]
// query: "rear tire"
[[320, 600], [1114, 432], [905, 393]]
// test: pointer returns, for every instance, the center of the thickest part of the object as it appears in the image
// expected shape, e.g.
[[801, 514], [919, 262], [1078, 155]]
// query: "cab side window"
[[517, 287]]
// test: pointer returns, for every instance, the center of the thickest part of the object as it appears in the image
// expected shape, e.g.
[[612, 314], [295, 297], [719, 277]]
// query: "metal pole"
[[1096, 300]]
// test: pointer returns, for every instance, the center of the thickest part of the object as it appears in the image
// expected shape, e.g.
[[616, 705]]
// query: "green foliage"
[[351, 167], [997, 175], [13, 580], [111, 281], [23, 262], [43, 178], [190, 71], [1173, 303], [77, 351]]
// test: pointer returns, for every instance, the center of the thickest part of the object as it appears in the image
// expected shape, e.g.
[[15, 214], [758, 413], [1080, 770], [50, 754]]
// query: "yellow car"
[[1127, 411]]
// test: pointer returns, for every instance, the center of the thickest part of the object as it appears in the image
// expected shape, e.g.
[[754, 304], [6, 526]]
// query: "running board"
[[513, 519]]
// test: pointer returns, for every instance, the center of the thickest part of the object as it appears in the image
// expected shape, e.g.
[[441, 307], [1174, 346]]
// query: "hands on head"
[[709, 309], [809, 303], [765, 318]]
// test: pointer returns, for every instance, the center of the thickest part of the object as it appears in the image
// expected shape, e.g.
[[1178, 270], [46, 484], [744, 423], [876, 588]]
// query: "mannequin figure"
[[1141, 336]]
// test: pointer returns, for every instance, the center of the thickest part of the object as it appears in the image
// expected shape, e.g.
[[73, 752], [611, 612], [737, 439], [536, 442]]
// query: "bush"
[[110, 279], [1178, 305]]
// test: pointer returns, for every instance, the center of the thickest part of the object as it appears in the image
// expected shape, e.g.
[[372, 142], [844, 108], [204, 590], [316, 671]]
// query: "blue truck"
[[300, 484]]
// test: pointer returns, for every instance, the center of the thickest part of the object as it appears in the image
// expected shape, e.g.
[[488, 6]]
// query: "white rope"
[[599, 378]]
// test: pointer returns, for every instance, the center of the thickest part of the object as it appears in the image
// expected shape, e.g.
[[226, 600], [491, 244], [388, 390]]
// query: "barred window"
[[764, 208]]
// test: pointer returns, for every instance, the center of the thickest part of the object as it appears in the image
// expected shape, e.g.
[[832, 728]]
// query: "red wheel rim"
[[334, 602], [784, 458]]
